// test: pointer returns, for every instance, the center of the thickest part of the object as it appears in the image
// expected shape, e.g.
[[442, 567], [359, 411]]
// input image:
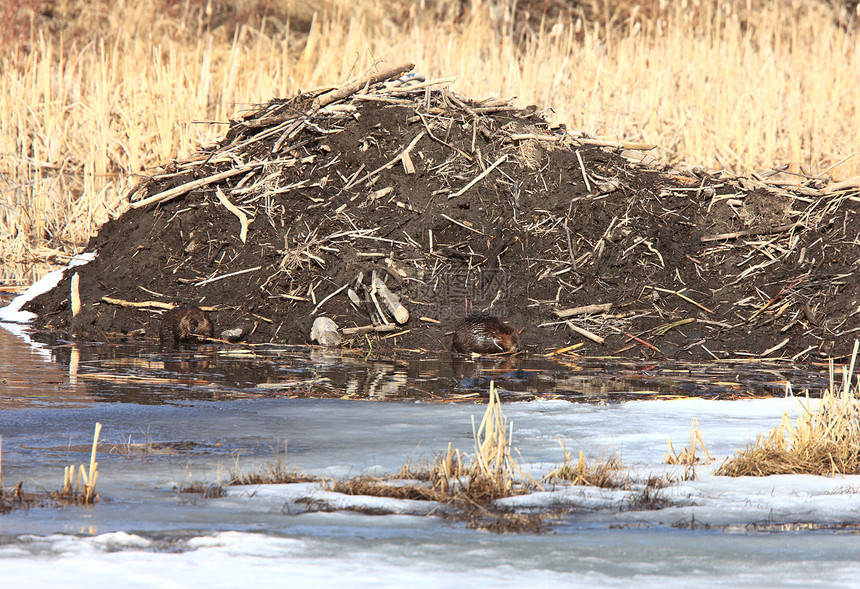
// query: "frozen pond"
[[174, 418]]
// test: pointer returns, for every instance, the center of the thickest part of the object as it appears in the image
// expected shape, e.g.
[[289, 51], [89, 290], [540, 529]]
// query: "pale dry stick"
[[616, 144], [686, 298], [320, 304], [582, 169], [369, 328], [778, 346], [392, 301], [76, 295], [290, 297], [223, 276], [584, 332], [188, 186], [351, 180], [352, 87], [450, 96], [751, 232], [373, 291], [385, 166], [569, 246], [288, 133], [461, 224], [418, 86], [598, 308], [243, 218], [93, 474], [479, 177], [803, 352], [536, 137], [143, 304], [849, 184]]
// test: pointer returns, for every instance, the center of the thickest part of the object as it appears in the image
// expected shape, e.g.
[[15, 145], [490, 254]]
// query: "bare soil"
[[750, 267]]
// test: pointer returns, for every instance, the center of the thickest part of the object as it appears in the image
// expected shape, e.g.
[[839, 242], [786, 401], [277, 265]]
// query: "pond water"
[[172, 418]]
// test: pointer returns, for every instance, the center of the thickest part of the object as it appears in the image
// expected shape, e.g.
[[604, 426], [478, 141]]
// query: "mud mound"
[[462, 206]]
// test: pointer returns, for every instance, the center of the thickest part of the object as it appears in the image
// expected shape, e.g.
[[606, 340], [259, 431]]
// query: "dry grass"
[[596, 473], [102, 92], [76, 490], [687, 456], [276, 473], [456, 477], [825, 441]]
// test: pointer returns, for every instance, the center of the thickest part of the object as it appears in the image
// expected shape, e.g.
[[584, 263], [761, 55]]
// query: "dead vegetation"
[[824, 441], [466, 484], [76, 490], [604, 473]]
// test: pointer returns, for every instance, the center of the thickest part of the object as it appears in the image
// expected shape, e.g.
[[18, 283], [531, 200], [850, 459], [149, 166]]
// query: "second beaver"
[[483, 334], [185, 325]]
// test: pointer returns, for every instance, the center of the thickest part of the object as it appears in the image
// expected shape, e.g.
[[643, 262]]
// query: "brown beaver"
[[185, 325], [483, 334]]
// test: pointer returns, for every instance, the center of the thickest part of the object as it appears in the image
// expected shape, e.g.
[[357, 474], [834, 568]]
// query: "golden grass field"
[[96, 93]]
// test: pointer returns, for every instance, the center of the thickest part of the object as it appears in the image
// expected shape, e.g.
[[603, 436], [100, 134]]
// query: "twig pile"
[[396, 207]]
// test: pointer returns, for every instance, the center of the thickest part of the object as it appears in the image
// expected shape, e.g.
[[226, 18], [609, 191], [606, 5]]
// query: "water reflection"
[[29, 376], [139, 372]]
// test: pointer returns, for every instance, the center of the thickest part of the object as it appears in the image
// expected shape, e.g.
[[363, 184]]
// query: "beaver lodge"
[[317, 204]]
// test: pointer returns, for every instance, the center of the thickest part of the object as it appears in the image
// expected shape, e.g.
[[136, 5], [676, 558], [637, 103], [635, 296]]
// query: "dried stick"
[[478, 178], [76, 295], [686, 298], [461, 224], [385, 166], [353, 87], [243, 218], [616, 144], [849, 184], [535, 136], [369, 329], [223, 276], [150, 304], [320, 304], [392, 301], [751, 232], [565, 313], [183, 188], [582, 169], [584, 332], [778, 346]]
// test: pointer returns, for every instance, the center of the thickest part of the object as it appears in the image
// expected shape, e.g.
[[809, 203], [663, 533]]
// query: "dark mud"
[[695, 266]]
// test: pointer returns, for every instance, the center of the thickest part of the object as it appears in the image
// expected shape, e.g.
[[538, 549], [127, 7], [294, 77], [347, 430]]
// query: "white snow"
[[12, 312]]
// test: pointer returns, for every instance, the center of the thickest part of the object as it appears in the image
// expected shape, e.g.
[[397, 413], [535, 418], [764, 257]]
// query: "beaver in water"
[[483, 334], [185, 325]]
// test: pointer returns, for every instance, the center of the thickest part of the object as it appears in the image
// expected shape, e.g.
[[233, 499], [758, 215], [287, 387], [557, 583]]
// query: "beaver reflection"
[[184, 325], [483, 334]]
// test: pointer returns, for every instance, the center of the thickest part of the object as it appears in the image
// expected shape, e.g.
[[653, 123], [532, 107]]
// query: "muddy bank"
[[461, 206]]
